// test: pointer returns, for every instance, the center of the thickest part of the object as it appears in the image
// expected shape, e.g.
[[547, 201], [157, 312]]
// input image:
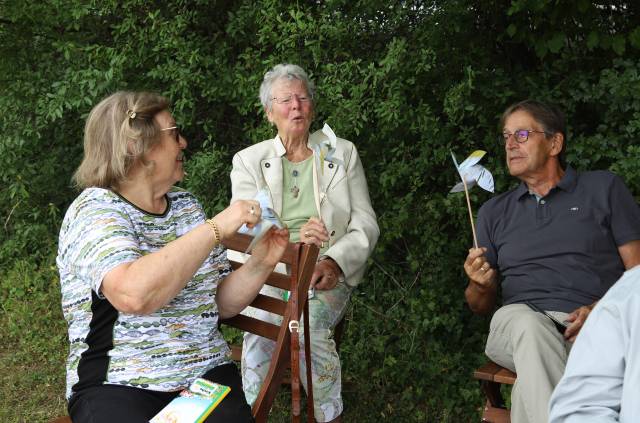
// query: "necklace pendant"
[[295, 190]]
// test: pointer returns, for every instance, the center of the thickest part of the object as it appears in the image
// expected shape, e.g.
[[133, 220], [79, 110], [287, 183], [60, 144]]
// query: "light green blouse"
[[298, 201]]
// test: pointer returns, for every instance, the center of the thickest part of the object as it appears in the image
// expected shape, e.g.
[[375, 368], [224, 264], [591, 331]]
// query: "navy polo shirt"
[[560, 252]]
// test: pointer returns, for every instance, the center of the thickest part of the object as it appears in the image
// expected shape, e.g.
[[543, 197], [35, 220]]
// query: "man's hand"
[[482, 290], [479, 270], [577, 319]]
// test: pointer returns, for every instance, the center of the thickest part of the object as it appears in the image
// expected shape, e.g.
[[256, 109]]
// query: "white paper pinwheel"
[[325, 149], [268, 219], [473, 173]]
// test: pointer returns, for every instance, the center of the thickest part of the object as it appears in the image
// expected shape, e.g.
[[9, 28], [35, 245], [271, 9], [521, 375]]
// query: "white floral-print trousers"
[[325, 311]]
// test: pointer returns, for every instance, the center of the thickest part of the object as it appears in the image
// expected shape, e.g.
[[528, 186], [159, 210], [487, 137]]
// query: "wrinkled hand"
[[325, 275], [478, 269], [240, 212], [268, 251], [577, 319], [314, 232]]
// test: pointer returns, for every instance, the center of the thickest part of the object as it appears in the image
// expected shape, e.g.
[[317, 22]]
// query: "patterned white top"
[[162, 351]]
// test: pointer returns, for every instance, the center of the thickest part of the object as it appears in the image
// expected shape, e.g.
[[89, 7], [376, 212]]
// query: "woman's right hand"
[[233, 217]]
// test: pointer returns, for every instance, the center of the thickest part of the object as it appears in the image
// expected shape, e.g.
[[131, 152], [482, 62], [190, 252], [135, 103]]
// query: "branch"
[[6, 222]]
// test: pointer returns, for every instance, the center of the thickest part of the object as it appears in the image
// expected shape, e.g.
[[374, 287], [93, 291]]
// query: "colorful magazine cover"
[[193, 405]]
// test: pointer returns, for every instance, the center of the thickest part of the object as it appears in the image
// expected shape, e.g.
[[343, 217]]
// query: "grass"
[[33, 347]]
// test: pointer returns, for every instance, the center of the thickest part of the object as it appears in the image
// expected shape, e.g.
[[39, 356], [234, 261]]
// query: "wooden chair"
[[491, 376], [301, 260]]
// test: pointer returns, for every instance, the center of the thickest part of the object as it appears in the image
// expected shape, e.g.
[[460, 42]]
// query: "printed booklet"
[[193, 405]]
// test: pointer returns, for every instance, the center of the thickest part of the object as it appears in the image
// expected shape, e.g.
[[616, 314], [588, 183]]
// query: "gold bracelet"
[[216, 231]]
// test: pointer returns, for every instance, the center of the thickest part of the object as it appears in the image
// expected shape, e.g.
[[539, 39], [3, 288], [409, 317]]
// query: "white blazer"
[[341, 196]]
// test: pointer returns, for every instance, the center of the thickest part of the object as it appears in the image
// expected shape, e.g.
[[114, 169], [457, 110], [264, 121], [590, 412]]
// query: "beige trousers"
[[528, 343]]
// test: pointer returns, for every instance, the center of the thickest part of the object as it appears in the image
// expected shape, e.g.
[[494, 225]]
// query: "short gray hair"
[[284, 71]]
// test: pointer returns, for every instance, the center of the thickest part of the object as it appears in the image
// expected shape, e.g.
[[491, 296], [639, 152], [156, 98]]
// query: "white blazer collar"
[[323, 174], [327, 170]]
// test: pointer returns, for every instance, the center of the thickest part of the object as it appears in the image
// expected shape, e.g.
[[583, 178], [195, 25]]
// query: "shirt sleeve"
[[99, 236], [591, 389], [625, 213]]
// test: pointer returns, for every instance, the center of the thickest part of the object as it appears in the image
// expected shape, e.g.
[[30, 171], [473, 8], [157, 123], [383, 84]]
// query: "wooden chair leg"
[[492, 391], [494, 410], [307, 360]]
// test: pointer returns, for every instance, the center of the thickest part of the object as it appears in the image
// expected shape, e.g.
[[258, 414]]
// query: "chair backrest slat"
[[253, 325], [270, 304], [279, 280]]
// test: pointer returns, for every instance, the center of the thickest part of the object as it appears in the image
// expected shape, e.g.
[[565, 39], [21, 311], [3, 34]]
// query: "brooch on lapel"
[[326, 149]]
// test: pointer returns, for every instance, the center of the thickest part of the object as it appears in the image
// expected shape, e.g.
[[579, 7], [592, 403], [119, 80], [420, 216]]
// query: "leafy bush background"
[[407, 81]]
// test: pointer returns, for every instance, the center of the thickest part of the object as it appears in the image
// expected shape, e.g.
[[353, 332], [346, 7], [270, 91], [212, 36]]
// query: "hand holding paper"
[[269, 218]]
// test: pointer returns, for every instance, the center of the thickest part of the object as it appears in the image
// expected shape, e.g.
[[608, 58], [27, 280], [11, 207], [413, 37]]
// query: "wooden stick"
[[473, 228]]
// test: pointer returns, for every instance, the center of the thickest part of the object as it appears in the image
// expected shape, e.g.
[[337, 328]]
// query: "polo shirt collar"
[[569, 180], [567, 183]]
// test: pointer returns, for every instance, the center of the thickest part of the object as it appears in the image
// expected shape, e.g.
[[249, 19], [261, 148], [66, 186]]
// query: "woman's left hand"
[[314, 232], [326, 274], [268, 251]]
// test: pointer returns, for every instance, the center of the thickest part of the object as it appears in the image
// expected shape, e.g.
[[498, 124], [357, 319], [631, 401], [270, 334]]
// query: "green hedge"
[[407, 82]]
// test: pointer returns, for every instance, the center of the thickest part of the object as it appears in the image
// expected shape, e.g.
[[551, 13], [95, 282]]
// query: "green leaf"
[[556, 42], [618, 44]]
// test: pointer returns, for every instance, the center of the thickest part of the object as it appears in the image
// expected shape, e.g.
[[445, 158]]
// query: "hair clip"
[[131, 113]]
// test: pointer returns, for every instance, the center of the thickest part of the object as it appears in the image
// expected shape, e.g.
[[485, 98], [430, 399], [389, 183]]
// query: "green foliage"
[[406, 81]]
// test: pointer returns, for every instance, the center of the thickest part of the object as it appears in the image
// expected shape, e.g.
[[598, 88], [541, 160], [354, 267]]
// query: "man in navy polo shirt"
[[556, 243]]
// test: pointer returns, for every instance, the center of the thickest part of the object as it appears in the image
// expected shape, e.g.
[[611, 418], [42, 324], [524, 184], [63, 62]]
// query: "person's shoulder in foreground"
[[602, 378]]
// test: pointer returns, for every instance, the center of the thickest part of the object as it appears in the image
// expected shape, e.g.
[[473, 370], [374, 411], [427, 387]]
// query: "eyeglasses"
[[176, 130], [520, 135], [288, 98]]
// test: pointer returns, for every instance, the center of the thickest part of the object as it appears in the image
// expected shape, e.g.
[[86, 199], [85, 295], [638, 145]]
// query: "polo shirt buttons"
[[542, 202], [333, 233], [267, 165], [330, 165]]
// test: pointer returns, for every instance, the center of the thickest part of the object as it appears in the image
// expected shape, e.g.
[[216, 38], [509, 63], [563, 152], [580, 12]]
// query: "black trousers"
[[124, 404]]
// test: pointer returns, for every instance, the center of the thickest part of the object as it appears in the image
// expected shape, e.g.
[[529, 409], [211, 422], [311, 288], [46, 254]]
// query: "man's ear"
[[557, 141], [268, 114]]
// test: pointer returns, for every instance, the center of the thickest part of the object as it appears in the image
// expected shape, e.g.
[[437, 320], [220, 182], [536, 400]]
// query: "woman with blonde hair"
[[143, 274]]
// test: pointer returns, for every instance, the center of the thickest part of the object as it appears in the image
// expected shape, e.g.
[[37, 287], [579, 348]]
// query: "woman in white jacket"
[[317, 185]]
